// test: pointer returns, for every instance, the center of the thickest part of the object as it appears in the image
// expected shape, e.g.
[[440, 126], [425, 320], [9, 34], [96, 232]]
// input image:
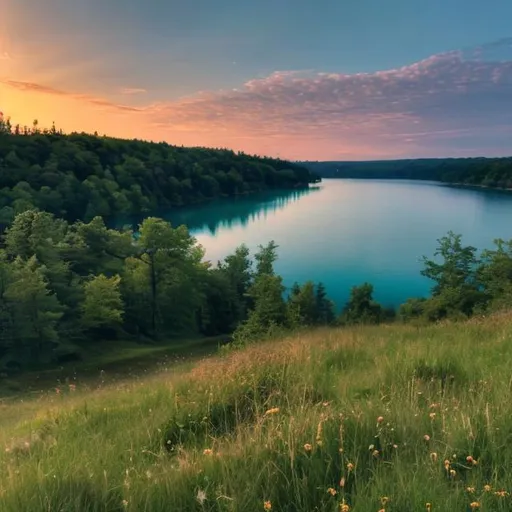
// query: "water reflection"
[[346, 232], [227, 213]]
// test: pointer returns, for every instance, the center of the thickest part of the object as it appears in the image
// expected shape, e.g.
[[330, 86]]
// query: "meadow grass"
[[393, 418]]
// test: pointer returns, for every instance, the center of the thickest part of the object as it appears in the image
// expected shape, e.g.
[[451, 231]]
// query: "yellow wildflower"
[[308, 447], [274, 410], [384, 500], [207, 451], [474, 505], [426, 438], [453, 473], [344, 507], [432, 415], [332, 491], [471, 490], [487, 488], [428, 506], [267, 505], [319, 433], [350, 466], [433, 456]]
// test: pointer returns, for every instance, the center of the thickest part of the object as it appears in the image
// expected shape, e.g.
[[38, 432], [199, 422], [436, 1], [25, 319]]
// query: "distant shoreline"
[[452, 184], [471, 185]]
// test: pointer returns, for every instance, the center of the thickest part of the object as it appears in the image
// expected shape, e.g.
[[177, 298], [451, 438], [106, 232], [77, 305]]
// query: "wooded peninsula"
[[81, 176]]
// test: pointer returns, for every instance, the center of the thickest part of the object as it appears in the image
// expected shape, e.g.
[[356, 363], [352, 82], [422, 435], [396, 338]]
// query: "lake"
[[346, 232]]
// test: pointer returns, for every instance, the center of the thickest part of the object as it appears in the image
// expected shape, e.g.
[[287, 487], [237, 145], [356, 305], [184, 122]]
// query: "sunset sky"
[[301, 79]]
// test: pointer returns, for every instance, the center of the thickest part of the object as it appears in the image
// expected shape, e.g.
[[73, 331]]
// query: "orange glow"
[[88, 69], [70, 112]]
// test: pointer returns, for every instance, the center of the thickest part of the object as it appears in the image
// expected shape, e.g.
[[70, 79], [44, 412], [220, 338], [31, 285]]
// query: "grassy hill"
[[394, 418]]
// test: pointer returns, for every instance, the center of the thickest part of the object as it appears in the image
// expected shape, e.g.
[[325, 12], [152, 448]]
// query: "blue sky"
[[158, 56]]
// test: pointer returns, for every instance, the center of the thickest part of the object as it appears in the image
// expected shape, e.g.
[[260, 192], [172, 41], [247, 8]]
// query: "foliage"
[[103, 304], [457, 290], [85, 282], [266, 294], [485, 172], [361, 308], [80, 176], [411, 309], [495, 274], [308, 305]]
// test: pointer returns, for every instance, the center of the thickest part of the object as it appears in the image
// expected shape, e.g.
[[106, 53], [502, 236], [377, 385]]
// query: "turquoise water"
[[346, 232]]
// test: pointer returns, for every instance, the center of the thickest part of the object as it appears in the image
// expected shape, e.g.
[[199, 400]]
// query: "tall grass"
[[364, 419]]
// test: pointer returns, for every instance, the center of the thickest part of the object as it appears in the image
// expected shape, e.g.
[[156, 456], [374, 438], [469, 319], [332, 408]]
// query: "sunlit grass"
[[364, 419]]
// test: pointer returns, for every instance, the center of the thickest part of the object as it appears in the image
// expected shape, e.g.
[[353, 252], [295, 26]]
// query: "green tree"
[[238, 270], [457, 289], [35, 233], [302, 303], [7, 330], [92, 248], [495, 275], [164, 278], [457, 268], [326, 314], [40, 235], [36, 310], [269, 308], [103, 305], [267, 289], [361, 308], [220, 311], [265, 259], [411, 309]]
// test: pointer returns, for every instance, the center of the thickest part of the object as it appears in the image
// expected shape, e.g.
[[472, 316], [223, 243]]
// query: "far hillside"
[[81, 176], [486, 172]]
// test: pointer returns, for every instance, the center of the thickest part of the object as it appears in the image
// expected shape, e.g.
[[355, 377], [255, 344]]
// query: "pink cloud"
[[438, 95], [132, 90], [42, 89], [448, 104]]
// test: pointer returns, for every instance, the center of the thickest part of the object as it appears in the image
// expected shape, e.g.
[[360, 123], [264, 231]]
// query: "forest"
[[67, 279], [81, 176], [485, 172], [64, 285]]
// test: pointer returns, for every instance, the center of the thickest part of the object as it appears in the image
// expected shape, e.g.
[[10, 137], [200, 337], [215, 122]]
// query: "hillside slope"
[[397, 418]]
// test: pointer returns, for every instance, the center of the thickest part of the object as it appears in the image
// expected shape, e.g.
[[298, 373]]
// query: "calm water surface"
[[346, 232]]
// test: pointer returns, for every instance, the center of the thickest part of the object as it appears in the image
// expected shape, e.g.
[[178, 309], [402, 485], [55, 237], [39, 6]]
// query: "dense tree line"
[[80, 176], [65, 282], [66, 277], [82, 282], [487, 172], [466, 283]]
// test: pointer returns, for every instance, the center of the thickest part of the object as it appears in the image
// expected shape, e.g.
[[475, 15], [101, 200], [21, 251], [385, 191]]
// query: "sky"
[[301, 79]]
